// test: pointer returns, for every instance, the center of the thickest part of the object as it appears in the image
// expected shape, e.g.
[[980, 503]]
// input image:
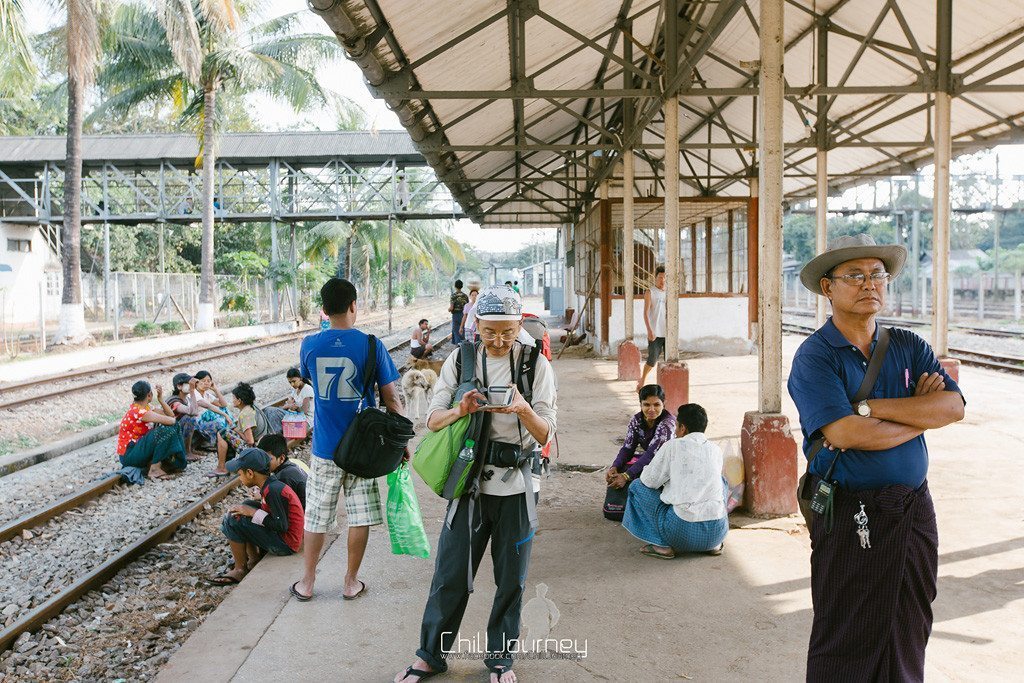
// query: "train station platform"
[[740, 616]]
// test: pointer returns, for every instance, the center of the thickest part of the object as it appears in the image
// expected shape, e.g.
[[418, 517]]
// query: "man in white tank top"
[[654, 319]]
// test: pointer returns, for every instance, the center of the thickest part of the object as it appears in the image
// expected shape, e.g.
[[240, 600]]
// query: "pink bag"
[[294, 426]]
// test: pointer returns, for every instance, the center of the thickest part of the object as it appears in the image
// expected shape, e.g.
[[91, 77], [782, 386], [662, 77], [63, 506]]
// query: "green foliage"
[[143, 328], [20, 443], [408, 291], [236, 298], [171, 326], [244, 263]]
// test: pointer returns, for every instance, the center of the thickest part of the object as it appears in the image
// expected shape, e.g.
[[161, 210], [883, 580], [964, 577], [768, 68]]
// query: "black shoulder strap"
[[466, 362], [527, 371], [866, 385], [370, 367]]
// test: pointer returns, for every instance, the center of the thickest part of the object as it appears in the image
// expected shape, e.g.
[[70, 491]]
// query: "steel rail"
[[104, 572], [179, 359]]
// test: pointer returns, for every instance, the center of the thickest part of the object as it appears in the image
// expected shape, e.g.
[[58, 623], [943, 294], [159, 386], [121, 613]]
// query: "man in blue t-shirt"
[[333, 360], [874, 550]]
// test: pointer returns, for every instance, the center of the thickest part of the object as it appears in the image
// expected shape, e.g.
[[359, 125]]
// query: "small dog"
[[418, 387], [424, 364]]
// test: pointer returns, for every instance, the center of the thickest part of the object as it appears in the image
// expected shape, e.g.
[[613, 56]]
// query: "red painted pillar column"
[[674, 378], [769, 464], [629, 361]]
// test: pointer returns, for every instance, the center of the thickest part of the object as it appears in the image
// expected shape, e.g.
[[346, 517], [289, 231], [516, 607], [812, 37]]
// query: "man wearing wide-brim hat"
[[874, 558]]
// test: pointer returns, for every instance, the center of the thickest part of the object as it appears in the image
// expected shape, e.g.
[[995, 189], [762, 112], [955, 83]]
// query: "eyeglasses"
[[858, 279], [507, 335]]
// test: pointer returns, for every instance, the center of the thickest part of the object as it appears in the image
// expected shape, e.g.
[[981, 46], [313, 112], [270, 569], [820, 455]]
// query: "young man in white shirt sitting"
[[678, 505]]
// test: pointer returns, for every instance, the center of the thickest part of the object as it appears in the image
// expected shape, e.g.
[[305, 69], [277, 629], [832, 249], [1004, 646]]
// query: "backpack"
[[374, 443], [262, 427]]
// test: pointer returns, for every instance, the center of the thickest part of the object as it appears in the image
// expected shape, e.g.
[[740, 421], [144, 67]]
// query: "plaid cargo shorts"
[[326, 482]]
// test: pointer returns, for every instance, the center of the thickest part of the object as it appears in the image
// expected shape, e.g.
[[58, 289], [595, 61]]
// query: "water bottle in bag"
[[455, 486]]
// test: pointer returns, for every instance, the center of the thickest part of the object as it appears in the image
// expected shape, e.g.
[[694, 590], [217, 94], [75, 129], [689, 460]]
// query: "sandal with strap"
[[499, 670], [420, 674]]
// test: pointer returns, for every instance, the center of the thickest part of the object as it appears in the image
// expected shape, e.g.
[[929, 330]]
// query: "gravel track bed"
[[55, 418], [36, 487], [127, 629]]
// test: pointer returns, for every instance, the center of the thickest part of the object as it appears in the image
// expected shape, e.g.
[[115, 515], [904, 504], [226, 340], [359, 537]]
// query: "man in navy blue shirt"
[[333, 360], [874, 558]]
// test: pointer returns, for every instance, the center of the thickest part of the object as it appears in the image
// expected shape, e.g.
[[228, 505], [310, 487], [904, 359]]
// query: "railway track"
[[54, 385], [96, 577], [913, 322], [993, 361]]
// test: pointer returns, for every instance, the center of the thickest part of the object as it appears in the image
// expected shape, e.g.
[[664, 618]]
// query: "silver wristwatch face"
[[864, 409]]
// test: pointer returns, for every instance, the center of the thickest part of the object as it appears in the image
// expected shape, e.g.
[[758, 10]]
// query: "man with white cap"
[[502, 510], [874, 557]]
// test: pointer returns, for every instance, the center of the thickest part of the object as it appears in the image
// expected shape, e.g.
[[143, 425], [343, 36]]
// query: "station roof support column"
[[821, 160], [943, 153], [672, 265], [766, 441]]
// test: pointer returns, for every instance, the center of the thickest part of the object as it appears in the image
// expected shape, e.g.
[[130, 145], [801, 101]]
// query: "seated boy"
[[272, 524], [291, 472]]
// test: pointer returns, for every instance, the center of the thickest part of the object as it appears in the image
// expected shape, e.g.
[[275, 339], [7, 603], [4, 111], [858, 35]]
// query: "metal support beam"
[[770, 163]]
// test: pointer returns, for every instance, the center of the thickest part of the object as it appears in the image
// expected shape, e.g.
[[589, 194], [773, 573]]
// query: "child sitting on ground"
[[241, 435], [291, 472], [272, 524]]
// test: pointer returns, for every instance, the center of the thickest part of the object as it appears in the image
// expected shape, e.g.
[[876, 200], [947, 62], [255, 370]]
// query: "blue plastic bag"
[[405, 523]]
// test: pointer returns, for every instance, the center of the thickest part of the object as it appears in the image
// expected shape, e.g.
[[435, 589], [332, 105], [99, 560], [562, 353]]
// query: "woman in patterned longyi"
[[148, 438]]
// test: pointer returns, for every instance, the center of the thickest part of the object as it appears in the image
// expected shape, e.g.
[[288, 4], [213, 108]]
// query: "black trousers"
[[873, 606], [503, 521]]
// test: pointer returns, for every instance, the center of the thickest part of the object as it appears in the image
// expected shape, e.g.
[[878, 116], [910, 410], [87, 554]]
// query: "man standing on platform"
[[654, 319], [874, 541], [458, 304]]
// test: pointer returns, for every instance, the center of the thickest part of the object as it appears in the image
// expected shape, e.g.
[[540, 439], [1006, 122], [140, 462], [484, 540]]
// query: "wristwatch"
[[863, 409]]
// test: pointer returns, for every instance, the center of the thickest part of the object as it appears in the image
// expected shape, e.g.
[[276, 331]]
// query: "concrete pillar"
[[293, 255], [629, 360], [753, 229], [821, 227], [768, 447], [107, 289], [943, 151], [671, 108], [674, 378], [627, 244]]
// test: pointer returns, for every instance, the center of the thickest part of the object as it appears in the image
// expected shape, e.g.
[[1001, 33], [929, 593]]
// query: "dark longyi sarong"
[[873, 606]]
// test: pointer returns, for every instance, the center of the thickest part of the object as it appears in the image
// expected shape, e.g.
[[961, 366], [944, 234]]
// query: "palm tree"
[[203, 53], [83, 47], [17, 66]]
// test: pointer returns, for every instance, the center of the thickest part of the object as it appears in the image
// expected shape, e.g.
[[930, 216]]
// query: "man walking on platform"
[[866, 395], [654, 319], [458, 304]]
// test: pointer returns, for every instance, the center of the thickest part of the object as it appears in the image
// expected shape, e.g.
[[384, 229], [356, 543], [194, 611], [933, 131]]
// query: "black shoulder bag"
[[374, 444], [804, 489]]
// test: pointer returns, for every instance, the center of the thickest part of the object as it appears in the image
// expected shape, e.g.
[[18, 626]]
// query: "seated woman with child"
[[678, 503], [647, 431], [147, 438], [189, 406]]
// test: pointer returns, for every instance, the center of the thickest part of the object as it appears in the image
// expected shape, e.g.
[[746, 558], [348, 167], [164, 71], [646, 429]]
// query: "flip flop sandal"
[[358, 594], [649, 551], [499, 671], [420, 674], [299, 596], [224, 580]]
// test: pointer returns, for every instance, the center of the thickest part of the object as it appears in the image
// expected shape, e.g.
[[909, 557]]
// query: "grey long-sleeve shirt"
[[503, 427]]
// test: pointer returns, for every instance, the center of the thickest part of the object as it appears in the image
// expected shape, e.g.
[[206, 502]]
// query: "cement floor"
[[744, 615]]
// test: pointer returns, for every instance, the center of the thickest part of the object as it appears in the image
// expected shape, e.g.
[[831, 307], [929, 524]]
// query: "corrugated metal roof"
[[364, 147], [988, 48]]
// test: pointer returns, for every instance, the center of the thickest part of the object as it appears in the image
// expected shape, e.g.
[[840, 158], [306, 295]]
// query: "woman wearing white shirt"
[[688, 513]]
